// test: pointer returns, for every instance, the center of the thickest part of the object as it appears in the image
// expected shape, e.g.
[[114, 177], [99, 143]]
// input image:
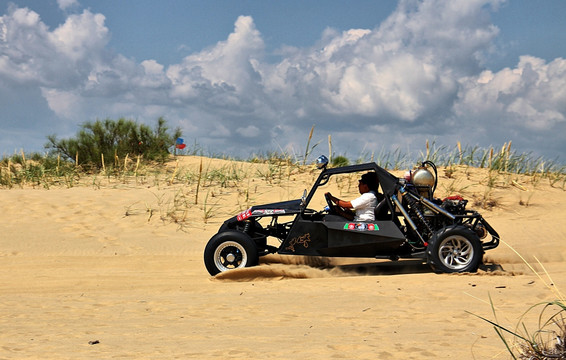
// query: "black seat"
[[381, 210]]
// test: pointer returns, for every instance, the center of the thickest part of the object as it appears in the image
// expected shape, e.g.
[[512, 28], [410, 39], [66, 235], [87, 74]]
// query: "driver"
[[364, 205]]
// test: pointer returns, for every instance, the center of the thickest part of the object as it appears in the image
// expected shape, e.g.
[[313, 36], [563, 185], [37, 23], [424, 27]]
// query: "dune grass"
[[203, 183], [50, 170], [546, 342], [548, 339]]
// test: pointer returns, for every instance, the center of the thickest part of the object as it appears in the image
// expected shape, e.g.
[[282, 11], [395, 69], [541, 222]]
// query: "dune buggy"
[[409, 223]]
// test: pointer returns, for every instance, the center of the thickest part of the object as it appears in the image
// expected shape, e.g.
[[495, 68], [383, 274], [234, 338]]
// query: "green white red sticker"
[[361, 227]]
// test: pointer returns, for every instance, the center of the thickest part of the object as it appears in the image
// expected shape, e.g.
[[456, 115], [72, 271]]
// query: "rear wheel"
[[455, 249], [230, 250]]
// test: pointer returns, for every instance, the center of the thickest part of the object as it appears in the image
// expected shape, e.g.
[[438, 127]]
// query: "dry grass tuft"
[[548, 341]]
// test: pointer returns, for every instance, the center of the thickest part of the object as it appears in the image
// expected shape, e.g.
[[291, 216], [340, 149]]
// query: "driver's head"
[[370, 179]]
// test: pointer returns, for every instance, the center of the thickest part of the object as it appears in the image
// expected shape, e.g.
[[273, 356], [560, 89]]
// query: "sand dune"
[[104, 271]]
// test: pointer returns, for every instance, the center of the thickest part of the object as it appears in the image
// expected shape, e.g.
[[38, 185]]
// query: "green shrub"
[[340, 161], [115, 139]]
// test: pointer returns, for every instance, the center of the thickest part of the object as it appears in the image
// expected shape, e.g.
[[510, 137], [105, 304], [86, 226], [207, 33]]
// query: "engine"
[[428, 213], [454, 204]]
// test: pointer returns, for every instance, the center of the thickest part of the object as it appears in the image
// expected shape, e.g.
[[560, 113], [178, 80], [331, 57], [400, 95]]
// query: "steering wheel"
[[331, 206]]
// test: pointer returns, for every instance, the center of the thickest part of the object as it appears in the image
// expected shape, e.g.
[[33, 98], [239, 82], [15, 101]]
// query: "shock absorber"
[[407, 218], [248, 227], [415, 208]]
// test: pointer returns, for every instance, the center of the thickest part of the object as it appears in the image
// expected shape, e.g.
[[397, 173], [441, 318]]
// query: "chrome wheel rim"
[[456, 252], [230, 255]]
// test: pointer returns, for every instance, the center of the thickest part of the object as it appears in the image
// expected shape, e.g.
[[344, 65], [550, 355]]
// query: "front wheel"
[[230, 250], [455, 249]]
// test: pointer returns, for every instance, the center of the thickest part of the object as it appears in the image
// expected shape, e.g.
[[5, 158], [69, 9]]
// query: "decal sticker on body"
[[361, 227], [258, 212], [268, 212], [300, 240], [244, 215]]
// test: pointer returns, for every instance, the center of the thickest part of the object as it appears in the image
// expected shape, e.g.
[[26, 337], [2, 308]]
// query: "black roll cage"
[[390, 186], [388, 182]]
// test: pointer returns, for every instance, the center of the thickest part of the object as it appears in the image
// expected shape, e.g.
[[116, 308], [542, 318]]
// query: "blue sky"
[[243, 77]]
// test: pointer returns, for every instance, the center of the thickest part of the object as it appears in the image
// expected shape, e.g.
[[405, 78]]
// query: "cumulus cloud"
[[66, 4], [405, 69], [527, 103], [418, 75], [532, 95], [61, 58], [225, 70]]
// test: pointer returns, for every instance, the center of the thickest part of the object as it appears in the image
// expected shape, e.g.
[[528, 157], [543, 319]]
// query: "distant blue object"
[[179, 141]]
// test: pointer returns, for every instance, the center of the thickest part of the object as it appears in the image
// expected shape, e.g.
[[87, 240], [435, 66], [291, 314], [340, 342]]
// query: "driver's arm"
[[342, 203]]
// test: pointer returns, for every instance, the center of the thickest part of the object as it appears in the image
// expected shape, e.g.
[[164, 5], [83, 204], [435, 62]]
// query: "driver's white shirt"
[[365, 206]]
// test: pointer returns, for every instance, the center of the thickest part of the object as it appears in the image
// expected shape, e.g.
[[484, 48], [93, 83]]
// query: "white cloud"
[[30, 53], [63, 103], [81, 36], [531, 96], [225, 67], [405, 70], [66, 4]]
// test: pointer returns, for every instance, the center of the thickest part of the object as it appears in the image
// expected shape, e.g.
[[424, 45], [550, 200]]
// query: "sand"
[[113, 268]]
